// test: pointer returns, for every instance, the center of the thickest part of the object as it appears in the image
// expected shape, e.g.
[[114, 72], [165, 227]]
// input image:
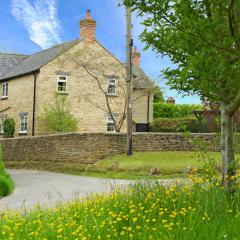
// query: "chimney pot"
[[88, 15]]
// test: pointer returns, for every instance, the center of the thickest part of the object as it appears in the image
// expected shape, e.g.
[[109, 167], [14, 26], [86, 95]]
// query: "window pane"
[[1, 124], [24, 124], [110, 127], [5, 89], [62, 86], [62, 78], [112, 89], [112, 81]]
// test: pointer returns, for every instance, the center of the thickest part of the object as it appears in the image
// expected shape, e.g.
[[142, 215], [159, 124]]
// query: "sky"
[[28, 26]]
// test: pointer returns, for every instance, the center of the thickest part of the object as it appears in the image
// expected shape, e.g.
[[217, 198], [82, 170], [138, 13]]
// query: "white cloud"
[[40, 19]]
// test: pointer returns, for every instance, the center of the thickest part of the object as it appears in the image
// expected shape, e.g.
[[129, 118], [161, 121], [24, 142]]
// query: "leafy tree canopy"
[[158, 94], [202, 39]]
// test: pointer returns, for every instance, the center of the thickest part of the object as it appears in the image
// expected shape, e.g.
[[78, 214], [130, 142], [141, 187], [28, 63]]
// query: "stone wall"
[[89, 147]]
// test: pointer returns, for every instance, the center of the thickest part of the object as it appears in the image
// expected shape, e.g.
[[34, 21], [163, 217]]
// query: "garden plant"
[[6, 183]]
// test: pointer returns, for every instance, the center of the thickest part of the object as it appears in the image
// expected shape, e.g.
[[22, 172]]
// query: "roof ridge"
[[54, 46], [16, 54], [36, 60]]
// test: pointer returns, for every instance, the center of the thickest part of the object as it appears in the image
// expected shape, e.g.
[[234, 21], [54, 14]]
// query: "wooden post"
[[129, 42]]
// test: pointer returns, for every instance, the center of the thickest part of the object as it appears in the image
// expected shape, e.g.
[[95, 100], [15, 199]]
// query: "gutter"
[[34, 103]]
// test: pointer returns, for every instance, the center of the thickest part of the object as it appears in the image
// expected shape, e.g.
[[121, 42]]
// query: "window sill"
[[4, 98], [22, 133], [112, 95], [62, 93]]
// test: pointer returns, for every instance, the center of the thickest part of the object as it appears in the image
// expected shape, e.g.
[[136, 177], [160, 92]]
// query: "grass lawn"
[[167, 164]]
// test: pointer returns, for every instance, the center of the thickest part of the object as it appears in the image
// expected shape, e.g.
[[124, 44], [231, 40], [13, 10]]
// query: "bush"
[[6, 183], [56, 116], [167, 110], [8, 128], [173, 124]]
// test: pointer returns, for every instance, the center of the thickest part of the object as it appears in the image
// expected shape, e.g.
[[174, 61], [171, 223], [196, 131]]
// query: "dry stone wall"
[[88, 147]]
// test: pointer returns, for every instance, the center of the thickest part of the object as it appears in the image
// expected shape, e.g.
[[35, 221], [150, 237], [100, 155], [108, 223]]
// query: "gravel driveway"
[[32, 187]]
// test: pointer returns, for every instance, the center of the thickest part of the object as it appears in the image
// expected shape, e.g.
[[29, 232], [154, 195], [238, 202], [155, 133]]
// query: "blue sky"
[[28, 26]]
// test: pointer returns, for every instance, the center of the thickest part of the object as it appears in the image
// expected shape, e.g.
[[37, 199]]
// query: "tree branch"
[[234, 105], [231, 18], [208, 8]]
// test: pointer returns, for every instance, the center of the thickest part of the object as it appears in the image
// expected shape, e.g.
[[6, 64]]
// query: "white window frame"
[[62, 81], [110, 121], [112, 84], [25, 118], [5, 90], [2, 119]]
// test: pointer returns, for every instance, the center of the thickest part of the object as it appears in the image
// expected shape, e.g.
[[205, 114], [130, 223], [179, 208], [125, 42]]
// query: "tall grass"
[[144, 211]]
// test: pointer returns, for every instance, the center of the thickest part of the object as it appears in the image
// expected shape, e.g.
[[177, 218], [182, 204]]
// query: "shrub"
[[8, 128], [166, 110], [173, 124], [57, 118], [6, 184]]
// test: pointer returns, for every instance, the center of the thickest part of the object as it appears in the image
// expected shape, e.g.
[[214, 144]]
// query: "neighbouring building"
[[82, 70]]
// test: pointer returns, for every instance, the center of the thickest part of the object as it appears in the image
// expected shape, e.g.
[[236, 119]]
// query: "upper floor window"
[[110, 125], [5, 89], [23, 123], [112, 86], [62, 84]]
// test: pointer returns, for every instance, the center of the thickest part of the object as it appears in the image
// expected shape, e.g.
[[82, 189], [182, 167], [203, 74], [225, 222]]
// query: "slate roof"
[[8, 61], [34, 62], [13, 65], [142, 81]]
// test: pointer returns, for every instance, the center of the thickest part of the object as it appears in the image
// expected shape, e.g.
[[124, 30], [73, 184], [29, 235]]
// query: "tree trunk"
[[227, 150]]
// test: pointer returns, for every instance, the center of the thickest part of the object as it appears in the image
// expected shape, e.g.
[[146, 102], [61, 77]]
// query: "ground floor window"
[[23, 123], [110, 125], [1, 124]]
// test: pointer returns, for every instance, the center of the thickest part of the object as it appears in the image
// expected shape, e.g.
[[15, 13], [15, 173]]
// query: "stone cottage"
[[82, 70]]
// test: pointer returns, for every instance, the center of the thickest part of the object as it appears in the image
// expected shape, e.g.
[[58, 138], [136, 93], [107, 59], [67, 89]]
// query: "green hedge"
[[173, 124], [190, 124], [167, 110], [6, 183]]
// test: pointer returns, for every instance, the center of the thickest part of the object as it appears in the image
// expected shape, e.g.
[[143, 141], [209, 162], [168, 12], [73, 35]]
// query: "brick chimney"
[[88, 28], [170, 100], [136, 57]]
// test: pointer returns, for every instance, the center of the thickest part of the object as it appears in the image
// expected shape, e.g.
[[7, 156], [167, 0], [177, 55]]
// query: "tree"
[[101, 95], [56, 116], [202, 39], [158, 94]]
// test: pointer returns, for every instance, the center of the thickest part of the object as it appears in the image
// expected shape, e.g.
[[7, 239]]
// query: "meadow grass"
[[200, 211]]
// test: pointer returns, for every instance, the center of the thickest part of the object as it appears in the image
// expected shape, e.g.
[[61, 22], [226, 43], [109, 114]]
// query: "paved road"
[[32, 187]]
